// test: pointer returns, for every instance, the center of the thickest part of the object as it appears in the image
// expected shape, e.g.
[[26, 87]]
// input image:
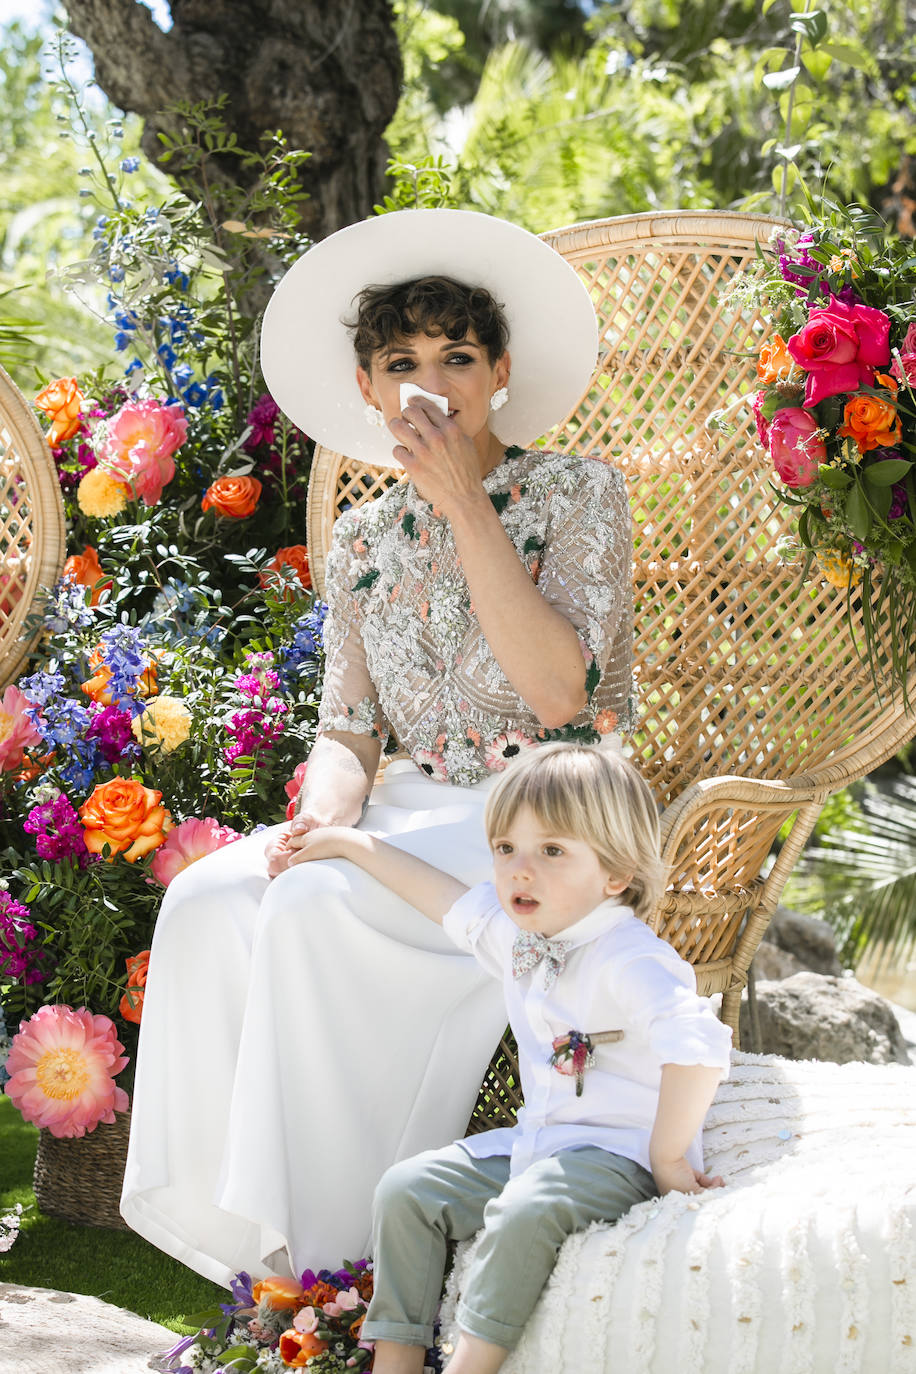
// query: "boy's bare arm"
[[684, 1098], [427, 888]]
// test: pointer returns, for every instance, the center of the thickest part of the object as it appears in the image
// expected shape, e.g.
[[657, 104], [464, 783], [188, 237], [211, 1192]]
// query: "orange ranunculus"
[[131, 1004], [96, 686], [296, 557], [872, 422], [235, 497], [279, 1293], [85, 569], [774, 363], [297, 1348], [126, 816], [62, 402]]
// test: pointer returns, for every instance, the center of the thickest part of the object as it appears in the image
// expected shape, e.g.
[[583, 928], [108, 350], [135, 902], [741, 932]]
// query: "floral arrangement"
[[171, 702], [277, 1324], [836, 412]]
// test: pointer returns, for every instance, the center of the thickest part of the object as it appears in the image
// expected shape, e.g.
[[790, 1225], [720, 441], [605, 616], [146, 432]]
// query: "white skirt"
[[298, 1037]]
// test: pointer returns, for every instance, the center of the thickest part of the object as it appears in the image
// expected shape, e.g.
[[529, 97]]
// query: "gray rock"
[[772, 963], [816, 1016], [809, 941]]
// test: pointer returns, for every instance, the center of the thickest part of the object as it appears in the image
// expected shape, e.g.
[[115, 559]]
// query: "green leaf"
[[887, 471], [852, 55], [858, 514], [811, 25], [835, 478], [817, 64], [781, 81]]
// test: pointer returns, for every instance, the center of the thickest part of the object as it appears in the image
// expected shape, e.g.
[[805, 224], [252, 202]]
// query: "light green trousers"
[[442, 1195]]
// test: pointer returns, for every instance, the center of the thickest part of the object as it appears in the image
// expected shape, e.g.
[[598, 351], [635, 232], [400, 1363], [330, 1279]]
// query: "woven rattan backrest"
[[742, 667], [32, 533]]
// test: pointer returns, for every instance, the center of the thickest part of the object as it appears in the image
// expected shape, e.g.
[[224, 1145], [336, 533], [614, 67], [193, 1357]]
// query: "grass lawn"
[[116, 1266]]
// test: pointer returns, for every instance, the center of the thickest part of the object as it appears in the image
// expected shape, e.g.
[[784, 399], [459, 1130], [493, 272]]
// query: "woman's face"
[[459, 369]]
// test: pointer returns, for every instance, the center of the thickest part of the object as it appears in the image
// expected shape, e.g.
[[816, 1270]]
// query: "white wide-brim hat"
[[307, 354]]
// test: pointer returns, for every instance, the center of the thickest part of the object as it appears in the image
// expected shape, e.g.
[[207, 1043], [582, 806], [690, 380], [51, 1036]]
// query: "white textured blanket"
[[805, 1263]]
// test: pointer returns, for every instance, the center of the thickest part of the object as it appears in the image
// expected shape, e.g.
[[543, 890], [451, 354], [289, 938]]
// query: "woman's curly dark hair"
[[386, 315]]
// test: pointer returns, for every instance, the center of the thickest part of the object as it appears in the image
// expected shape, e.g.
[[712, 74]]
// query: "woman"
[[303, 1028]]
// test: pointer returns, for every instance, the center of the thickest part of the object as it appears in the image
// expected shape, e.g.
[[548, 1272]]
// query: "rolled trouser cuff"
[[486, 1329], [401, 1332]]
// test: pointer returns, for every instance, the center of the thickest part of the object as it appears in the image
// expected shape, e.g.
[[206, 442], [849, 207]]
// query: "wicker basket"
[[80, 1180]]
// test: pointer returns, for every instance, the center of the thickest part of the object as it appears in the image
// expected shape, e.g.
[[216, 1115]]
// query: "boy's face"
[[547, 882]]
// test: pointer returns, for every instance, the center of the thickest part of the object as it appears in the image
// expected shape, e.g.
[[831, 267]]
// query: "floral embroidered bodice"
[[405, 653]]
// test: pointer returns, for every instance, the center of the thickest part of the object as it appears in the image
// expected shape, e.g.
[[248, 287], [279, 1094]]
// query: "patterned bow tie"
[[529, 948]]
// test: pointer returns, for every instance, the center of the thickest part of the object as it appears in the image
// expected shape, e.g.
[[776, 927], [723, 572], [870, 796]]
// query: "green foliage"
[[117, 1266], [862, 878]]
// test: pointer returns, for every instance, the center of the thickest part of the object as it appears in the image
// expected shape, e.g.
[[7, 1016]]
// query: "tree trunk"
[[327, 73]]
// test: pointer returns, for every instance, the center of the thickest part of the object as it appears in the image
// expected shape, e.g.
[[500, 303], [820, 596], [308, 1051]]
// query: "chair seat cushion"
[[804, 1263]]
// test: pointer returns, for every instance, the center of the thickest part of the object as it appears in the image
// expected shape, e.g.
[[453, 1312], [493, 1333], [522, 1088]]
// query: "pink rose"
[[904, 367], [141, 440], [760, 420], [840, 347], [796, 452], [186, 844]]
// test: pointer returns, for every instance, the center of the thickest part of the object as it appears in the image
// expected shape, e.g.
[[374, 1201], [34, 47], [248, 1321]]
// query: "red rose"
[[840, 347], [796, 452]]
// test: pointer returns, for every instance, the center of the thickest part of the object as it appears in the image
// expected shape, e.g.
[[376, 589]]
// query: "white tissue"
[[409, 391]]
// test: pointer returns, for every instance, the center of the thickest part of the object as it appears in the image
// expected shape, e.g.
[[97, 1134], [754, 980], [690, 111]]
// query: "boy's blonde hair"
[[590, 794]]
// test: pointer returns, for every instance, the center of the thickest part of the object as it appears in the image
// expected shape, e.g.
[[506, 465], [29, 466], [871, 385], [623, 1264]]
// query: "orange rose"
[[774, 363], [62, 402], [126, 816], [295, 557], [131, 1004], [872, 422], [85, 569], [297, 1348], [235, 497], [279, 1293], [96, 686]]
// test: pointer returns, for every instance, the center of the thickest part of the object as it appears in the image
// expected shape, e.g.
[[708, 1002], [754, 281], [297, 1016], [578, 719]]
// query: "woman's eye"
[[461, 358], [400, 365]]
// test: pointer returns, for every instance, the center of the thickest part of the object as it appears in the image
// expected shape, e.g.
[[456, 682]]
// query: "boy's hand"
[[678, 1176], [324, 842]]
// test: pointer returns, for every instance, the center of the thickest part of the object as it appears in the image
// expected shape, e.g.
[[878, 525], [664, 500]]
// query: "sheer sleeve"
[[586, 567], [349, 699]]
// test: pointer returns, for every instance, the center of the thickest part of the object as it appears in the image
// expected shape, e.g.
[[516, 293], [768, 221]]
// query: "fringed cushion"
[[805, 1263]]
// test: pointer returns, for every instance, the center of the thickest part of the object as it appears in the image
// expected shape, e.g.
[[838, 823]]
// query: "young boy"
[[619, 1057]]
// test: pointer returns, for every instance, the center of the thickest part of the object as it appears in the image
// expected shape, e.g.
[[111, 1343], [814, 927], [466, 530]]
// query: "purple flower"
[[122, 651], [243, 1297], [111, 727], [898, 501], [261, 417], [57, 830], [20, 957], [800, 258]]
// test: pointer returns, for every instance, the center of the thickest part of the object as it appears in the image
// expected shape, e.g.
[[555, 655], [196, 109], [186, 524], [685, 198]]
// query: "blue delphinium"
[[122, 651], [300, 658]]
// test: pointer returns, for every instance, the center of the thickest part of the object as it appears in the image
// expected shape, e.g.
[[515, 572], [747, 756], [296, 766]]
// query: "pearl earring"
[[499, 398], [374, 417]]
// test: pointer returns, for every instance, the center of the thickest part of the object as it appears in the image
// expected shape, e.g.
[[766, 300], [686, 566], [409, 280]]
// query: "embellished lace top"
[[406, 660]]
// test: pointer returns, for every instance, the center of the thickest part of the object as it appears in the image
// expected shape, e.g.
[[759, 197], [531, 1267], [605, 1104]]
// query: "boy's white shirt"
[[618, 976]]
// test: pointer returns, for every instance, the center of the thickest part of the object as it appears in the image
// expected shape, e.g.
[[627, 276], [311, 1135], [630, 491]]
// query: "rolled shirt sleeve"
[[658, 992]]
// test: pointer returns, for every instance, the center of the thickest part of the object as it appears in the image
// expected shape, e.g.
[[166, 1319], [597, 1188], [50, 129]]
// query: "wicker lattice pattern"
[[755, 702], [32, 537]]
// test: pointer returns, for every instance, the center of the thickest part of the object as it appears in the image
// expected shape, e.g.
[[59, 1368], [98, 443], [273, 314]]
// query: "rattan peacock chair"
[[755, 702], [32, 532]]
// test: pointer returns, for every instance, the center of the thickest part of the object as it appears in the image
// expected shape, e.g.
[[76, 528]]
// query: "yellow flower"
[[164, 724], [100, 496], [837, 569]]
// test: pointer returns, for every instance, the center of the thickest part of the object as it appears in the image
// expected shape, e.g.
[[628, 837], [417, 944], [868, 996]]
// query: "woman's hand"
[[442, 461], [281, 851]]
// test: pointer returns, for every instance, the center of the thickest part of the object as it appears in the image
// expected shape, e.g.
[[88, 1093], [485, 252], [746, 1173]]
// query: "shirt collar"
[[603, 918]]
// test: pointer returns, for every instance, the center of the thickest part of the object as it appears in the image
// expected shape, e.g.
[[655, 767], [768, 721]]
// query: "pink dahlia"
[[140, 443], [17, 733], [62, 1066], [188, 842]]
